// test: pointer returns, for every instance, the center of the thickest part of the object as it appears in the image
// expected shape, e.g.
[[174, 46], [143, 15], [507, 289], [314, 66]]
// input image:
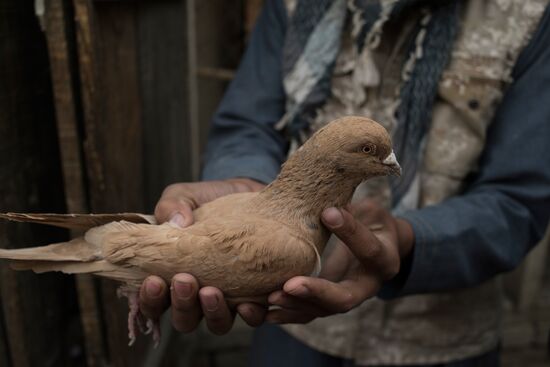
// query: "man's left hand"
[[372, 244]]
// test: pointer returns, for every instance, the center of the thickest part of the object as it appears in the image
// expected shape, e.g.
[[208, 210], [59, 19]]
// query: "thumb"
[[175, 210]]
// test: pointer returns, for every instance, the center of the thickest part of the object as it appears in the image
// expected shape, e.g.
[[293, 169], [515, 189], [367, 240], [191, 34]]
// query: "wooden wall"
[[100, 110], [39, 320]]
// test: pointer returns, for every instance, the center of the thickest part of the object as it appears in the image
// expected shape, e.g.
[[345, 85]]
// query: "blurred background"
[[103, 104]]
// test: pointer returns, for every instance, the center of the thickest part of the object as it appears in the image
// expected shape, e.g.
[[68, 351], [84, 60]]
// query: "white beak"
[[391, 161]]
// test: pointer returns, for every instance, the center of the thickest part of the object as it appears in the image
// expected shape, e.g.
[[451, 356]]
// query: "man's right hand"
[[190, 302], [178, 200]]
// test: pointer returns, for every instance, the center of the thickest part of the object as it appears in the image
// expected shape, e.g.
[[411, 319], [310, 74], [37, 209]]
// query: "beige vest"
[[448, 326]]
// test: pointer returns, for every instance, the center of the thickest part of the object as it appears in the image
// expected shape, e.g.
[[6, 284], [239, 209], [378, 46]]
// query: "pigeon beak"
[[391, 162]]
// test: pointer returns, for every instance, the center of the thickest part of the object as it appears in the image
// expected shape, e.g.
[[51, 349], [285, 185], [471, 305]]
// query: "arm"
[[504, 211]]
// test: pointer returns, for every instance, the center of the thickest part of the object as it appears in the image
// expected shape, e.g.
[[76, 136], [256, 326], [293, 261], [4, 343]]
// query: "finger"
[[284, 316], [336, 260], [253, 314], [186, 309], [366, 210], [153, 297], [286, 301], [176, 210], [219, 318], [366, 247], [333, 297]]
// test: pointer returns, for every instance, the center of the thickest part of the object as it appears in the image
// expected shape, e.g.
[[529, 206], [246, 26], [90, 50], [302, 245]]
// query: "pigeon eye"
[[369, 149]]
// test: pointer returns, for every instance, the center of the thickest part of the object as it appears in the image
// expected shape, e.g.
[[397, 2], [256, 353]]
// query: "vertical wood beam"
[[37, 310], [193, 91], [56, 22], [106, 37], [163, 79]]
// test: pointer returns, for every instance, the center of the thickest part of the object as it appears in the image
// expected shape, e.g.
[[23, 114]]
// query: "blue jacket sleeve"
[[243, 141], [503, 213]]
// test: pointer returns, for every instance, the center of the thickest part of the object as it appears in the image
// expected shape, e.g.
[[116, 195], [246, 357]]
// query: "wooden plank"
[[11, 304], [4, 352], [220, 40], [193, 92], [88, 65], [38, 310], [163, 79], [216, 73], [58, 23], [106, 33]]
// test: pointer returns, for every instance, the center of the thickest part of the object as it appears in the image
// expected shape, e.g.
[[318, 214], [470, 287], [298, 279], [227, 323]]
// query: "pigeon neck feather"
[[309, 182]]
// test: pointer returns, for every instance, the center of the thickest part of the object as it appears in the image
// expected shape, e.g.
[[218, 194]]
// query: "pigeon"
[[245, 244]]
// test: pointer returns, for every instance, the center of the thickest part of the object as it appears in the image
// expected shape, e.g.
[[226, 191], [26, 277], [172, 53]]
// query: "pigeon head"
[[328, 167], [355, 147]]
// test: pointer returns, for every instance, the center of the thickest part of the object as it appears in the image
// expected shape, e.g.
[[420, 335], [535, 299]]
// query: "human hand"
[[189, 303], [178, 200], [372, 244]]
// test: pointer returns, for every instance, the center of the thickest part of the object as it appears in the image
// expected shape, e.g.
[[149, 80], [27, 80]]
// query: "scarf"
[[312, 45]]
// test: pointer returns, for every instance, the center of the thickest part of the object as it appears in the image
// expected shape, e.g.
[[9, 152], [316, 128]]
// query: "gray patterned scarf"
[[312, 45]]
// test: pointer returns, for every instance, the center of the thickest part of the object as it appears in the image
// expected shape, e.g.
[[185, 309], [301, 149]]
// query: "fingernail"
[[153, 289], [178, 220], [333, 217], [274, 299], [210, 303], [300, 291], [183, 290]]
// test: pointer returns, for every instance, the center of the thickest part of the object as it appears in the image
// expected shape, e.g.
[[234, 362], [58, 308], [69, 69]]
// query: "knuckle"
[[349, 229], [172, 189], [371, 251], [346, 303], [163, 207]]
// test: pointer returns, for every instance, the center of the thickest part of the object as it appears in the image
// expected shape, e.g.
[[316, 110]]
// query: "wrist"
[[242, 184], [405, 237]]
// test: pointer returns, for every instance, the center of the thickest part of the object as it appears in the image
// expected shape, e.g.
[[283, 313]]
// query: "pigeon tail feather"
[[77, 221], [74, 250]]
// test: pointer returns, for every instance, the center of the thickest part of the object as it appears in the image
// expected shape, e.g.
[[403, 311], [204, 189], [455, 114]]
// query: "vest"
[[443, 327]]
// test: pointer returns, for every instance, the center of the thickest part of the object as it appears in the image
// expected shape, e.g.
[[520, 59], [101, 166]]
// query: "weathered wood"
[[163, 79], [219, 44], [39, 311], [106, 33], [193, 92], [216, 73], [58, 22], [15, 333], [4, 355]]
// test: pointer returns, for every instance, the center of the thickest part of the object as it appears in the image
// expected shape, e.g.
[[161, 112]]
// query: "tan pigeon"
[[245, 244]]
